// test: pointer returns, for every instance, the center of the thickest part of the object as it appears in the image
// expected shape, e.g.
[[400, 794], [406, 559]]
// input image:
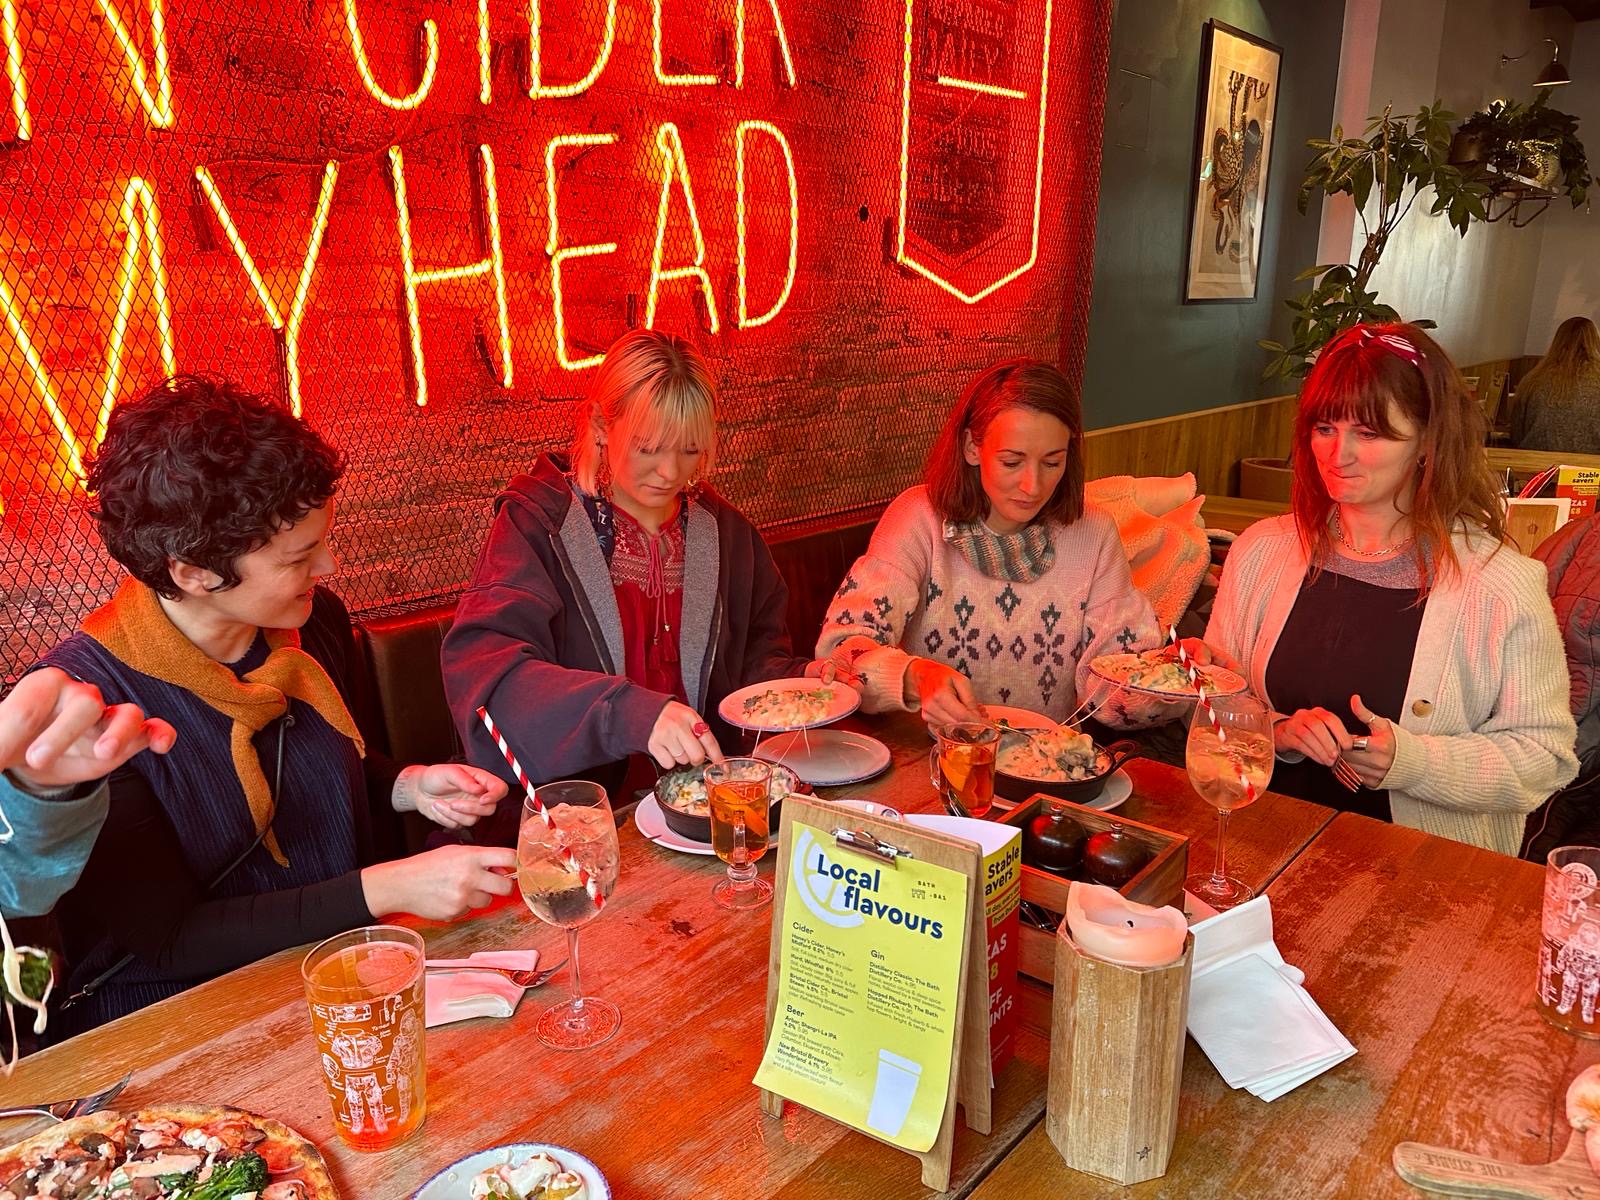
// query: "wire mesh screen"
[[420, 222]]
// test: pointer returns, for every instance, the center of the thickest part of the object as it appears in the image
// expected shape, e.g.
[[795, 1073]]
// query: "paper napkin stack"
[[1248, 1011]]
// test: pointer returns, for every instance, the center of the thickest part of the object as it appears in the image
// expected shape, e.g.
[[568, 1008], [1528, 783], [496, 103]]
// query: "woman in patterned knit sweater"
[[991, 583], [1385, 620]]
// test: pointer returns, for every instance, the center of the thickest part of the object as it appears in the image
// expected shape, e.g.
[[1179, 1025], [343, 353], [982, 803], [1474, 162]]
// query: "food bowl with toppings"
[[1060, 762], [686, 810]]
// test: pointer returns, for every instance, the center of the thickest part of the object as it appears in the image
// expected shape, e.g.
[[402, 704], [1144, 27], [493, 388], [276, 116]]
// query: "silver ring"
[[1359, 744]]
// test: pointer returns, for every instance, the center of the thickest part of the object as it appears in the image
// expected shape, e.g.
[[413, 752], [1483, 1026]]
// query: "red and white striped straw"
[[590, 884], [1211, 713]]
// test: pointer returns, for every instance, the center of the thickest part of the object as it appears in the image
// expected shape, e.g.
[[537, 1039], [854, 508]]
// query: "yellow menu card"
[[869, 978]]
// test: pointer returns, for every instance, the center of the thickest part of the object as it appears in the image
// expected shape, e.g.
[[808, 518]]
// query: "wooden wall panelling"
[[1209, 443]]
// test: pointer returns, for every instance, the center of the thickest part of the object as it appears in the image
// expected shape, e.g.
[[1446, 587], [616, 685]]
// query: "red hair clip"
[[1392, 342]]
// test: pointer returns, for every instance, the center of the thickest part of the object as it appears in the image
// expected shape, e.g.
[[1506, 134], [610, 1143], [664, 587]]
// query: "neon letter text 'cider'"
[[783, 44], [358, 49], [537, 87], [662, 74]]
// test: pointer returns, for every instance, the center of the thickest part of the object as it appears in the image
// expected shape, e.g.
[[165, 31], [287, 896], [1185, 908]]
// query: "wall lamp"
[[1553, 75]]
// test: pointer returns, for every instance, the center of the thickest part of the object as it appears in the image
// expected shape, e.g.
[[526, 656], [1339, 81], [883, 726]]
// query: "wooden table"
[[1422, 952]]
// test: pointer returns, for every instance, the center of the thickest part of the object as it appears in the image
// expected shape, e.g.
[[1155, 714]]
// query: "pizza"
[[166, 1152]]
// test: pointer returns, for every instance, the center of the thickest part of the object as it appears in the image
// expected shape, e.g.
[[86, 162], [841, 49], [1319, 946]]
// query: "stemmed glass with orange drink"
[[961, 766], [738, 793]]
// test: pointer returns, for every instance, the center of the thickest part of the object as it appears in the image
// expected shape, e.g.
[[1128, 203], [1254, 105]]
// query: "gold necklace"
[[1338, 529]]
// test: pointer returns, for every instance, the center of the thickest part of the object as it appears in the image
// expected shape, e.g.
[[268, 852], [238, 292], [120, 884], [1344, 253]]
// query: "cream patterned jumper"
[[1022, 642], [1485, 733]]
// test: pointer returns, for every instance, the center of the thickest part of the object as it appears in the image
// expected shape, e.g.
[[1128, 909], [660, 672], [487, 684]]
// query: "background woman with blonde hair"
[[618, 598], [1410, 655], [1558, 402]]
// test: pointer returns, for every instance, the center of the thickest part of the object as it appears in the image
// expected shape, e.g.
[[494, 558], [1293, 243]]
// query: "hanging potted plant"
[[1534, 142]]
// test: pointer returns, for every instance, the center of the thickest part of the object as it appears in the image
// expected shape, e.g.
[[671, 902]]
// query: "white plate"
[[647, 816], [827, 757], [1117, 789], [845, 701], [1223, 681], [453, 1182]]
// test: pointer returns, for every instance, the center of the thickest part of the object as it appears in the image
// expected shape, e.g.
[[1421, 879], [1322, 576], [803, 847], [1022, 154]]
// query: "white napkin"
[[1248, 1011], [457, 995]]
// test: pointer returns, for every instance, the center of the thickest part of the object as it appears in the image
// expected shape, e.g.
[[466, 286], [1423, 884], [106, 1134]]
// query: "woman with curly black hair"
[[256, 832]]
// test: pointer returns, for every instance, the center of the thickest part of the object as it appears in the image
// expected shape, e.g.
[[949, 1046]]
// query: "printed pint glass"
[[365, 990], [1569, 941]]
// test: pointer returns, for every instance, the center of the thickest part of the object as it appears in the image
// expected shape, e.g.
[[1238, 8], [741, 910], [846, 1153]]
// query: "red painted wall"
[[920, 137]]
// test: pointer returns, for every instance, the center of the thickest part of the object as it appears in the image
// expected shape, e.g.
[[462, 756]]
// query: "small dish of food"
[[522, 1171], [782, 704], [1060, 762], [681, 795]]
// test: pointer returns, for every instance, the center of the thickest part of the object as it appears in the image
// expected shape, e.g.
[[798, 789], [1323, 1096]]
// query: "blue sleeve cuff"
[[49, 844]]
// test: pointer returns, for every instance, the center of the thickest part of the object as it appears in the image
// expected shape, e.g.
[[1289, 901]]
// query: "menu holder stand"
[[970, 1080]]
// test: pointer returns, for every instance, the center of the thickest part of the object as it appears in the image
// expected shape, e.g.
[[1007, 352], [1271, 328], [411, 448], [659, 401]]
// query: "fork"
[[64, 1110], [1346, 774], [523, 979]]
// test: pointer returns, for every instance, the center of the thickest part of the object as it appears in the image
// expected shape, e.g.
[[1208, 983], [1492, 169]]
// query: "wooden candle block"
[[1116, 1059]]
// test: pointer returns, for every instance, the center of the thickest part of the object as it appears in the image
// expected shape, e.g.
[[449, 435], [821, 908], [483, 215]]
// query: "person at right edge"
[[1572, 556]]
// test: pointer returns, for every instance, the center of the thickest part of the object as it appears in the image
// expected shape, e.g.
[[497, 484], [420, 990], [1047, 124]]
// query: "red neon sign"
[[395, 212]]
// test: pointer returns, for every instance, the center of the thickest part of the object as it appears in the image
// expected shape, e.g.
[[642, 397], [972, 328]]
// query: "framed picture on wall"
[[1233, 149]]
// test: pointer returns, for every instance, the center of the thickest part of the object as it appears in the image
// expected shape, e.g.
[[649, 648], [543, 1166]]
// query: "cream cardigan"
[[1485, 733]]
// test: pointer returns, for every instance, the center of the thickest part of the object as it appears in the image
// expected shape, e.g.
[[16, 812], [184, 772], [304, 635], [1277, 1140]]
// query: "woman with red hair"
[[1400, 641]]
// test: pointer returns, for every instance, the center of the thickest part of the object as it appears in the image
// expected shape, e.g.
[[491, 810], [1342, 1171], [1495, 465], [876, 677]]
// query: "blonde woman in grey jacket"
[[1410, 655]]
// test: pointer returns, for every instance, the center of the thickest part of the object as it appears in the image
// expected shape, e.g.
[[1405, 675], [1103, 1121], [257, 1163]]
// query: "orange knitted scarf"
[[134, 627]]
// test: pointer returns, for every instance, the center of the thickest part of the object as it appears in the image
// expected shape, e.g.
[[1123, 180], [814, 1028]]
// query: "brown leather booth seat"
[[410, 719]]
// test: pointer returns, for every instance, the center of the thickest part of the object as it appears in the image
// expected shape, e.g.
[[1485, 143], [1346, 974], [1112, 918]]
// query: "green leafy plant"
[[1396, 160], [1510, 134]]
